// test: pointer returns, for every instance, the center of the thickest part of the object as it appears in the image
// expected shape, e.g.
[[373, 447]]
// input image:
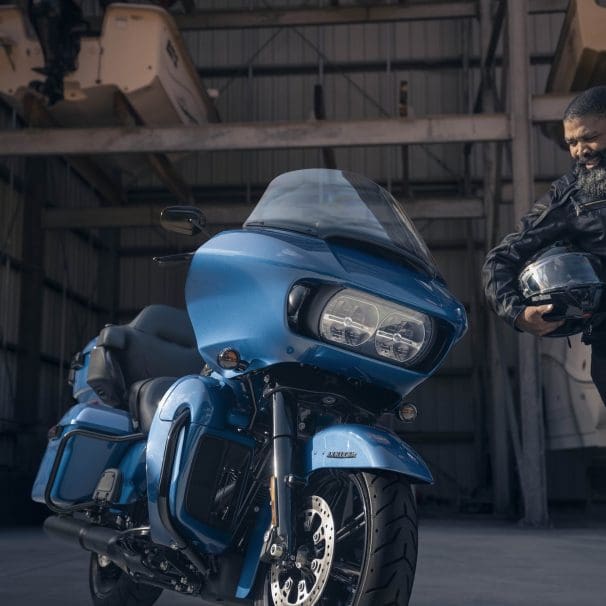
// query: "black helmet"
[[571, 280]]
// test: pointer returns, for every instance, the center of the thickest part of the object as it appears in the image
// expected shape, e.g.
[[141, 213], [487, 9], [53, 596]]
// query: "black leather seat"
[[158, 344], [144, 398]]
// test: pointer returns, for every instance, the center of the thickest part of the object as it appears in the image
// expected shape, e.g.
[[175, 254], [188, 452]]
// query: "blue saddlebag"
[[83, 457]]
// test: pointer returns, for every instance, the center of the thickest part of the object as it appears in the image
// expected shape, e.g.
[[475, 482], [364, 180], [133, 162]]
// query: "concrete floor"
[[461, 563]]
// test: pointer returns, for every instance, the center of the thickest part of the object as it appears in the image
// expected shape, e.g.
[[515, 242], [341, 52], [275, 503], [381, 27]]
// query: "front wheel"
[[356, 544], [110, 586]]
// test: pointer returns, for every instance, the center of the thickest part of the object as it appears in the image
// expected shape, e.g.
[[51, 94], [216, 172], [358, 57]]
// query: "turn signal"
[[407, 412], [229, 359]]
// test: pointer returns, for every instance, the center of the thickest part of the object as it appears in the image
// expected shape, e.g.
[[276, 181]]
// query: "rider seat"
[[132, 363], [144, 397]]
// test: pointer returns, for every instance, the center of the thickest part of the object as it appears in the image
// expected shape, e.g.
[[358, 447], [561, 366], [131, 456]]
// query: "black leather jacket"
[[563, 213]]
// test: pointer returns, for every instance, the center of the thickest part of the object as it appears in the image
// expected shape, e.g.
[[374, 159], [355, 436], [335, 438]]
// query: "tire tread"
[[393, 542]]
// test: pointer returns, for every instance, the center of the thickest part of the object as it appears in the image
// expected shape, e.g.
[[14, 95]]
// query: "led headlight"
[[376, 327], [402, 335], [349, 319]]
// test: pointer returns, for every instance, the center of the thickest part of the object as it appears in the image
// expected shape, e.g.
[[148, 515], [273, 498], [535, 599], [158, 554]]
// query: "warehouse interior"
[[451, 106]]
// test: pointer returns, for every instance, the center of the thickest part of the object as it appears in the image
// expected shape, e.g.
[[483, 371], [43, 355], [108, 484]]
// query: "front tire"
[[369, 544], [111, 586]]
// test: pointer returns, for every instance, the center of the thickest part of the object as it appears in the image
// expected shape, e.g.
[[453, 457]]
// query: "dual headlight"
[[369, 325]]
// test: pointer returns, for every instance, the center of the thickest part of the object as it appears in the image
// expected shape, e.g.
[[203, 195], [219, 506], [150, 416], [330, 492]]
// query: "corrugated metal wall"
[[452, 404], [70, 310]]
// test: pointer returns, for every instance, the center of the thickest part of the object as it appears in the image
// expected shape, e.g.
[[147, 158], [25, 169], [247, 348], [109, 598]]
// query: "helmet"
[[571, 280]]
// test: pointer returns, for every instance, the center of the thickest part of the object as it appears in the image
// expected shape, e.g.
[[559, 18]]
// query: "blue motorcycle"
[[232, 452]]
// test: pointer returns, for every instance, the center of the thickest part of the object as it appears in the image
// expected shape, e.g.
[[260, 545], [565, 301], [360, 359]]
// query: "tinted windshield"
[[334, 204]]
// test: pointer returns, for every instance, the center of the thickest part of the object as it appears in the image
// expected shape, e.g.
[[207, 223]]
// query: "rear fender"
[[364, 447]]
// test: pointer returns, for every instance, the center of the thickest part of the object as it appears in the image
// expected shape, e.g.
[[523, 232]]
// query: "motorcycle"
[[233, 453]]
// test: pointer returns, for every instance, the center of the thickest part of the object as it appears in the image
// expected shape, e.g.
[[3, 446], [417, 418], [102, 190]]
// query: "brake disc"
[[302, 584]]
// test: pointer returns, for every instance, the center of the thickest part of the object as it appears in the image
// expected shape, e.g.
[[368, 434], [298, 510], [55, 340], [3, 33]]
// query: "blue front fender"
[[343, 447], [363, 447]]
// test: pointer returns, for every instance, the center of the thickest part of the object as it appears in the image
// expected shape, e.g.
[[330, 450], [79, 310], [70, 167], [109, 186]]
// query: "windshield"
[[334, 204]]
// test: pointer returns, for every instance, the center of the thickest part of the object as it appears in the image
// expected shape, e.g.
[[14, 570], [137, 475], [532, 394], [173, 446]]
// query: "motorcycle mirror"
[[185, 220]]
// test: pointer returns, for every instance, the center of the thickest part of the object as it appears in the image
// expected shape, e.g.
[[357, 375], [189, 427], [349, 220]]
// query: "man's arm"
[[543, 225], [531, 320]]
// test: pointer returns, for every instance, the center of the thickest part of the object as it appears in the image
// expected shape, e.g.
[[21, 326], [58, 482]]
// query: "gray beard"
[[591, 182]]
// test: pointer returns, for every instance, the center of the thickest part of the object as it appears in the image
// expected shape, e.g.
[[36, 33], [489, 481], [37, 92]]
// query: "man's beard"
[[592, 181]]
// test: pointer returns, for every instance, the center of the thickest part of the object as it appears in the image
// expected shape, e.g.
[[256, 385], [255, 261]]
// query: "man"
[[574, 211]]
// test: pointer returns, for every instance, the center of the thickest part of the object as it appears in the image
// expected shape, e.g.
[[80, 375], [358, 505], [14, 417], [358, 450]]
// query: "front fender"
[[363, 447]]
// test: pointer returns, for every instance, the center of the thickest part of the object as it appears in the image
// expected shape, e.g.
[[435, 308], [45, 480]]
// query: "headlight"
[[376, 327], [349, 320]]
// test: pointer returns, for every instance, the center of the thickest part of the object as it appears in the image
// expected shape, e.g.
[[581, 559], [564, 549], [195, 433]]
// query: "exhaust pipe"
[[89, 536], [97, 539]]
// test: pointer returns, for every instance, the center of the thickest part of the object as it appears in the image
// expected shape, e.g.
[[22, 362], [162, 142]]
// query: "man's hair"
[[591, 102]]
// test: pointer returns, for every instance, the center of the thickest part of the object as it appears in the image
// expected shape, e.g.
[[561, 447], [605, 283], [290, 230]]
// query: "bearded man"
[[573, 211]]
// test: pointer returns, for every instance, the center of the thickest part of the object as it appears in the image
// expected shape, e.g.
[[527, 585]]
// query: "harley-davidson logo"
[[342, 454]]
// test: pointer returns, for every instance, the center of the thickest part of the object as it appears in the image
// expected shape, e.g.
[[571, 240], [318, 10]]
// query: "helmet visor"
[[562, 271]]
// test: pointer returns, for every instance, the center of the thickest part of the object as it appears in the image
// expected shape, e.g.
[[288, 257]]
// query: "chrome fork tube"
[[283, 445]]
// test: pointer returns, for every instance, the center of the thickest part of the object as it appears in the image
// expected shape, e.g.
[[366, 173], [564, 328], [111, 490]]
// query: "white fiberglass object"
[[574, 413], [140, 53]]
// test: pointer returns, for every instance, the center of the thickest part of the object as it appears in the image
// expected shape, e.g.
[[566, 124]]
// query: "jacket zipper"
[[581, 206]]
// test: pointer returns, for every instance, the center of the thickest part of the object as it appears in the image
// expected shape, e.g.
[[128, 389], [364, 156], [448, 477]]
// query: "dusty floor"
[[461, 563]]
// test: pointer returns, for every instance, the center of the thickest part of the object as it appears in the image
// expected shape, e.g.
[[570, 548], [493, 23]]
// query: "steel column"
[[499, 443], [532, 466]]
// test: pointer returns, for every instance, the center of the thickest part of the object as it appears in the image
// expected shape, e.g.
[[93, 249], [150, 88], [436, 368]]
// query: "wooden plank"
[[338, 15], [135, 216], [288, 17], [550, 108], [233, 214], [263, 135], [273, 135], [435, 208], [531, 467], [445, 62]]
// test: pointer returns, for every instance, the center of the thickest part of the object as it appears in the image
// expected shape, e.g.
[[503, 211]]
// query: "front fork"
[[284, 480]]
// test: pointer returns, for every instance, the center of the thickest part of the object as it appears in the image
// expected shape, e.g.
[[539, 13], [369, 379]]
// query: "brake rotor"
[[303, 584]]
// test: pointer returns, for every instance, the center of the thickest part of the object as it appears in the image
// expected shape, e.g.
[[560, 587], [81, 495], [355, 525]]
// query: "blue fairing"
[[210, 403], [248, 274]]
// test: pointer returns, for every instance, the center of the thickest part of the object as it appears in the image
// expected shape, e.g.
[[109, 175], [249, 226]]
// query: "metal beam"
[[258, 135], [338, 15], [234, 214], [445, 62]]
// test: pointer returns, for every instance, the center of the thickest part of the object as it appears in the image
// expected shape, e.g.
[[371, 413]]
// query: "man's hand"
[[531, 320]]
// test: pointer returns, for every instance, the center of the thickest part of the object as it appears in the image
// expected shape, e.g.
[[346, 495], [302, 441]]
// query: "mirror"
[[186, 220]]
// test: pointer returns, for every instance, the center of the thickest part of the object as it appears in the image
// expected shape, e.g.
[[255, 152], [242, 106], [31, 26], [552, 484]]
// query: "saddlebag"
[[88, 440]]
